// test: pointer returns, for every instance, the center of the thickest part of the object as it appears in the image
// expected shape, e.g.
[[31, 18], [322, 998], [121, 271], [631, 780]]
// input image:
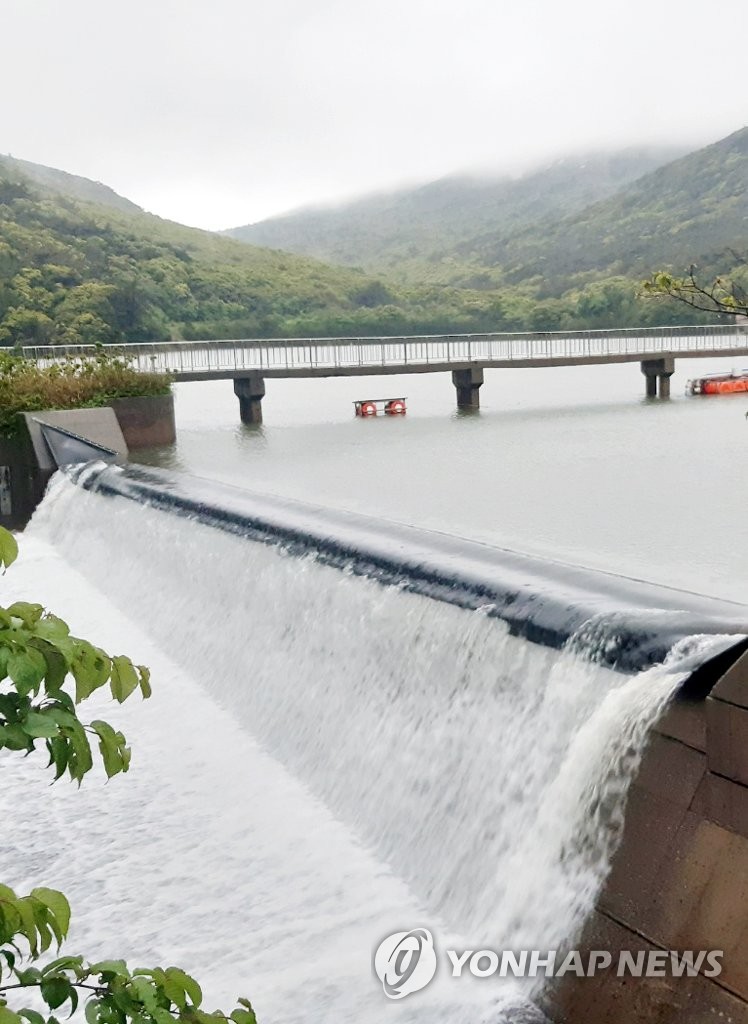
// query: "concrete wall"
[[20, 485], [680, 877], [146, 422], [27, 464]]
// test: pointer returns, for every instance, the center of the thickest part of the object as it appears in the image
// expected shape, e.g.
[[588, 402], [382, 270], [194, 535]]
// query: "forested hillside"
[[78, 263], [77, 271], [692, 210], [415, 231], [554, 258]]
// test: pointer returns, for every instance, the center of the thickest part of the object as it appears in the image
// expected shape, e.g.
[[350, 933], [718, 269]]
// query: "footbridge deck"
[[249, 362]]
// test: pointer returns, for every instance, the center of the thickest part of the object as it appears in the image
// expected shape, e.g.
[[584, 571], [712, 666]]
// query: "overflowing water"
[[325, 760]]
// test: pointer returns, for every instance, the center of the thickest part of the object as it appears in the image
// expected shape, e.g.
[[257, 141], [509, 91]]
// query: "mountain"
[[79, 271], [692, 210], [403, 228], [69, 184], [78, 263]]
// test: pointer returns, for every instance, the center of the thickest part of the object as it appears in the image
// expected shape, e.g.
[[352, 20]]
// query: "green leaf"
[[32, 1016], [55, 991], [145, 681], [79, 757], [190, 986], [57, 670], [92, 1011], [109, 967], [51, 628], [14, 738], [56, 903], [31, 976], [37, 725], [124, 678], [110, 746], [26, 913], [64, 963], [8, 1017], [244, 1016], [8, 548], [90, 668], [145, 992], [28, 613], [27, 669], [58, 755]]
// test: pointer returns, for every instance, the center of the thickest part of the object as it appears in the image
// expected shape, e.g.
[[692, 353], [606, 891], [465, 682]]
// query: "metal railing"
[[316, 354]]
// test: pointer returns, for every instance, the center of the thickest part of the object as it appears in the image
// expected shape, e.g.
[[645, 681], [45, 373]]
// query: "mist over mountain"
[[563, 248], [71, 185], [692, 210], [387, 230]]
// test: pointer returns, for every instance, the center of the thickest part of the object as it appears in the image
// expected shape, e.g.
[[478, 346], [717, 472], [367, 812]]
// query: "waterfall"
[[327, 758]]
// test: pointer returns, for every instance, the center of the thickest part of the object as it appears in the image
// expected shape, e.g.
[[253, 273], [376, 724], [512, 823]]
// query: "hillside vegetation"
[[417, 230], [71, 185], [694, 209], [78, 263], [565, 247], [78, 271]]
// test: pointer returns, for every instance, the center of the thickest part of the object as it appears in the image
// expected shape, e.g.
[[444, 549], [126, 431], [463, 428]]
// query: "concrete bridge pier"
[[467, 384], [658, 373], [250, 391]]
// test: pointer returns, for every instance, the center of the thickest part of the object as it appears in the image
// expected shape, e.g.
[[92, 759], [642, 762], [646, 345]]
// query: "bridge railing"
[[289, 354]]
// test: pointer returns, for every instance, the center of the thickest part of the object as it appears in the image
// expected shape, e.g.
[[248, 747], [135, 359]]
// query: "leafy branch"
[[38, 659], [721, 296]]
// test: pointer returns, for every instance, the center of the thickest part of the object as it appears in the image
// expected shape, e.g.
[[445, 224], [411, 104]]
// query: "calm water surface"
[[570, 463]]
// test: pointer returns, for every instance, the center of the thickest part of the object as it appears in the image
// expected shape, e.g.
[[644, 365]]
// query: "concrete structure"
[[250, 391], [249, 363], [146, 422], [27, 462], [468, 384], [679, 880], [658, 373]]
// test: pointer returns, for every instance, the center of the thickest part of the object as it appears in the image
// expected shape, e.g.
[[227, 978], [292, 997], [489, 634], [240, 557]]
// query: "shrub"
[[78, 383]]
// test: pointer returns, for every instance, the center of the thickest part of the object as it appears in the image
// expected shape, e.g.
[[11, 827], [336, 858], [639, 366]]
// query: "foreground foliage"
[[727, 296], [45, 673], [70, 384]]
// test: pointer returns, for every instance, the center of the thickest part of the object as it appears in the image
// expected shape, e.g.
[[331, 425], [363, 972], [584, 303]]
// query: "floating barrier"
[[374, 406]]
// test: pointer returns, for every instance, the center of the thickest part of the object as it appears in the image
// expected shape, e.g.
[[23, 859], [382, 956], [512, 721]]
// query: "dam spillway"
[[336, 754]]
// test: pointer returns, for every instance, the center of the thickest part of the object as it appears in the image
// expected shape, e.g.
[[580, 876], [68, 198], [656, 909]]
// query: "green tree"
[[25, 327], [45, 674]]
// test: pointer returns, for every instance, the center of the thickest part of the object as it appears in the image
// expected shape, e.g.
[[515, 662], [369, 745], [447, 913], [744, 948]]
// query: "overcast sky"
[[221, 113]]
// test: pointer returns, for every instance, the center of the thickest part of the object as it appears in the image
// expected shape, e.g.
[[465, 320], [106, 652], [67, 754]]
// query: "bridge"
[[249, 363]]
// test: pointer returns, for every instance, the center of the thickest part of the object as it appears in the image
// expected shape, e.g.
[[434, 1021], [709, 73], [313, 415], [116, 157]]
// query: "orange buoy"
[[368, 409], [395, 408]]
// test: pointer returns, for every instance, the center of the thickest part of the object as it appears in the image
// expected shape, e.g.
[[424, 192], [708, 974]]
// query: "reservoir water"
[[570, 463], [326, 760]]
